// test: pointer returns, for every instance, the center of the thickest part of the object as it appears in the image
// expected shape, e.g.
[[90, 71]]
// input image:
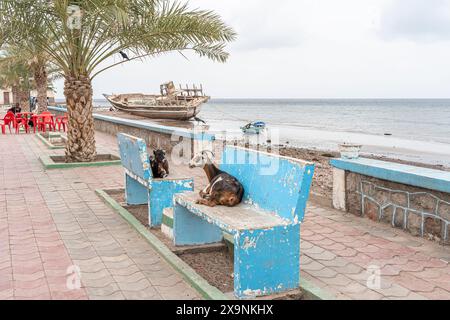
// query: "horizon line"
[[265, 98]]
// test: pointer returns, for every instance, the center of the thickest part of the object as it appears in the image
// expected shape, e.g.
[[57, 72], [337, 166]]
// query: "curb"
[[48, 143], [48, 163], [313, 292], [193, 278]]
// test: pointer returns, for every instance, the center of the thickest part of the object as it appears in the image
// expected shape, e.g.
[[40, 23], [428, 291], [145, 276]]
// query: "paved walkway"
[[51, 220], [344, 255]]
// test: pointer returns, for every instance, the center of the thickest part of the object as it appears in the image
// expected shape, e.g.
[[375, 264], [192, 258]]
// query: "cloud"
[[260, 24], [310, 49], [416, 20]]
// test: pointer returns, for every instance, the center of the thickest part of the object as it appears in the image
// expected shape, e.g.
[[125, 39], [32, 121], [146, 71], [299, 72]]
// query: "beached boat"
[[255, 127], [172, 103]]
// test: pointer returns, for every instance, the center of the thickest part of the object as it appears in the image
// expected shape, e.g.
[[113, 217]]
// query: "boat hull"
[[169, 111], [183, 114]]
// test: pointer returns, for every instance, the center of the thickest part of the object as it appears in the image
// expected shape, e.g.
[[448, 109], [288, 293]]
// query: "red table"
[[36, 118]]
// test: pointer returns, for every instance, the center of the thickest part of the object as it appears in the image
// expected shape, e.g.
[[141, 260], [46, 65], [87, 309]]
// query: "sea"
[[409, 129]]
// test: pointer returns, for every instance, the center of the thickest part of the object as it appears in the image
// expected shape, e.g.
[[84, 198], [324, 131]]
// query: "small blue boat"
[[255, 127]]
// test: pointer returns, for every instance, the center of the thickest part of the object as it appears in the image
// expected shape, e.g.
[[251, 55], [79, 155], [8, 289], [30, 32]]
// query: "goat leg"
[[205, 192], [209, 203]]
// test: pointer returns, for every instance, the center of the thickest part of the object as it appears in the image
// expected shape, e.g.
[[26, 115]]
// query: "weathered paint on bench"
[[274, 183], [140, 187], [265, 227], [411, 175]]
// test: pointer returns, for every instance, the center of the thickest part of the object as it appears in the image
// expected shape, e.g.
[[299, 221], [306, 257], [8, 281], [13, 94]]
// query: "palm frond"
[[144, 28]]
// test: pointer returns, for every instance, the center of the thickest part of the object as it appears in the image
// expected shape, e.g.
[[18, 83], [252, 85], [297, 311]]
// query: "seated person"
[[15, 109]]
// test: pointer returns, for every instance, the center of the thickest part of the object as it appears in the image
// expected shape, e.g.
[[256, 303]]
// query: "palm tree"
[[86, 34], [39, 67], [15, 74]]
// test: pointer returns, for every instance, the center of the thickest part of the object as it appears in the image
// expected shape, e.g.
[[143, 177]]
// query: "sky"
[[310, 49]]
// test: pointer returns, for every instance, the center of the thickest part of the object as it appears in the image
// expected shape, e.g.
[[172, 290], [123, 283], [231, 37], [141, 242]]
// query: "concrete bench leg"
[[188, 229], [135, 192], [266, 261], [161, 197]]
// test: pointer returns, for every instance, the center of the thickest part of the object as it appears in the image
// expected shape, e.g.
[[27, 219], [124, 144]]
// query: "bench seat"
[[265, 227], [230, 219]]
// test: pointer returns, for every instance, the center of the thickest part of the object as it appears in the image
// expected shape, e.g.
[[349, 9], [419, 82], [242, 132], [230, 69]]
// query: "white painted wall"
[[339, 189], [2, 91], [33, 93]]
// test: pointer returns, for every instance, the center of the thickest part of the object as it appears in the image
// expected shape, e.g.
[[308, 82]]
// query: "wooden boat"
[[172, 103]]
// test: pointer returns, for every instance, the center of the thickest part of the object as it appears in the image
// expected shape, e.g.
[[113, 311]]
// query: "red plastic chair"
[[21, 121], [44, 120], [61, 121], [7, 120]]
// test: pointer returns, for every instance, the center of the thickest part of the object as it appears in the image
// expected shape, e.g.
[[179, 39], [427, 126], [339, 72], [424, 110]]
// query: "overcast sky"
[[311, 49]]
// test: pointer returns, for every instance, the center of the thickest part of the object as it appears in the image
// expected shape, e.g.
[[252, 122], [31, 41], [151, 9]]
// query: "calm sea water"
[[427, 120], [418, 127]]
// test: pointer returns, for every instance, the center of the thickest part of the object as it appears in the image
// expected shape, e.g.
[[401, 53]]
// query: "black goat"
[[159, 164]]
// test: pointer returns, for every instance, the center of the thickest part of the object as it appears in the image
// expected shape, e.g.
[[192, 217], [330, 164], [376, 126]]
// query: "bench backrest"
[[134, 156], [272, 183]]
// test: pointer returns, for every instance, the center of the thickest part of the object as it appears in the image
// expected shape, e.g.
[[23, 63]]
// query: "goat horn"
[[212, 153]]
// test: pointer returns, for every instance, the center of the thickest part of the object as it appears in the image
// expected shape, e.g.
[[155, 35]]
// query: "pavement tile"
[[147, 294], [323, 273], [348, 269], [164, 281], [312, 266], [412, 283], [338, 280]]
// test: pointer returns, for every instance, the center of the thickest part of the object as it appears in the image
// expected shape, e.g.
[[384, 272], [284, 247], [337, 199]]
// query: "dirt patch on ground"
[[215, 267]]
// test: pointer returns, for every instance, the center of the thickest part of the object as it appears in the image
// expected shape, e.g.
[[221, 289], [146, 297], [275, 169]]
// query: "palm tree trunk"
[[80, 146], [24, 100], [15, 94], [40, 77]]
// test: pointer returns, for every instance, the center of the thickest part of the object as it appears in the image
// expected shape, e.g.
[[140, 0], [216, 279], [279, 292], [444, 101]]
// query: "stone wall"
[[420, 211]]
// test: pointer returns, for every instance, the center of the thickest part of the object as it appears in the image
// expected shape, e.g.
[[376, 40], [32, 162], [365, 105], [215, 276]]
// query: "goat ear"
[[164, 151], [154, 152]]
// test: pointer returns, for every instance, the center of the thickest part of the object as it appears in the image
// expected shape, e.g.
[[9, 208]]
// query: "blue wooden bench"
[[140, 187], [265, 226]]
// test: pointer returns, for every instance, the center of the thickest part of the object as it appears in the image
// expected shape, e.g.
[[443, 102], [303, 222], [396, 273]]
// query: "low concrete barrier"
[[413, 198], [183, 142]]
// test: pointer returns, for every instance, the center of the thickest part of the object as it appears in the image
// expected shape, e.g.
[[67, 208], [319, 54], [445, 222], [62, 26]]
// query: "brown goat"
[[223, 188]]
